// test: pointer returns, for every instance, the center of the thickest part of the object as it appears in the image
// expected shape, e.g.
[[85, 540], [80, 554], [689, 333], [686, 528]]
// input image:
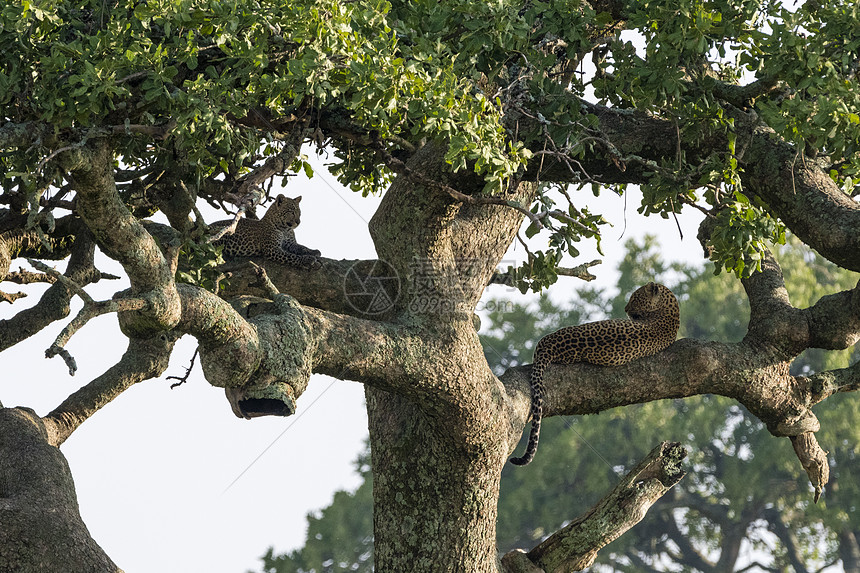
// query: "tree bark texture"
[[40, 526]]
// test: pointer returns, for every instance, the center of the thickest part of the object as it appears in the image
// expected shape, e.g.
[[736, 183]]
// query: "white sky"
[[152, 467]]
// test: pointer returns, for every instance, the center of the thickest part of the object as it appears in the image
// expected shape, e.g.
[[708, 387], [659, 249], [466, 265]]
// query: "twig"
[[579, 271], [133, 76], [675, 216], [246, 202], [11, 297], [264, 280], [65, 355], [56, 152], [69, 283], [184, 378], [155, 131]]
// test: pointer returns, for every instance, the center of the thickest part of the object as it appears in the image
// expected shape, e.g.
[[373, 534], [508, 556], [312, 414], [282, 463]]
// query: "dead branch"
[[184, 378], [90, 310], [575, 547], [814, 461], [23, 277]]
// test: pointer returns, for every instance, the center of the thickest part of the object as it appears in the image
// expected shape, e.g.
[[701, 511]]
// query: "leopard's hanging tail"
[[536, 383]]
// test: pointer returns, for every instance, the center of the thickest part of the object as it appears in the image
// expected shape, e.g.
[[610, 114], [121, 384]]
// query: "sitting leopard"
[[272, 236], [652, 326]]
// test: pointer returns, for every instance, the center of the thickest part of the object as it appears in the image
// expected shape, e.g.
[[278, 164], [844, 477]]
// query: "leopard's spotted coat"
[[272, 236], [652, 326]]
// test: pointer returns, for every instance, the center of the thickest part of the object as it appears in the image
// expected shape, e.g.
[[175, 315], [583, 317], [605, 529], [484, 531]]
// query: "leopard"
[[654, 319], [273, 236]]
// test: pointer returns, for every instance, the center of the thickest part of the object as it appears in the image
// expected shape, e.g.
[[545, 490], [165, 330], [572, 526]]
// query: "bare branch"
[[184, 378], [11, 297], [274, 165], [91, 310], [822, 385], [54, 304], [23, 277], [814, 461], [70, 284], [575, 547], [579, 271], [154, 131], [263, 278], [246, 202]]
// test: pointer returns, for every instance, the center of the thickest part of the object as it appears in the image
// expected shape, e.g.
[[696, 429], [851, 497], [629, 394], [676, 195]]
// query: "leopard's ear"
[[279, 200], [297, 199]]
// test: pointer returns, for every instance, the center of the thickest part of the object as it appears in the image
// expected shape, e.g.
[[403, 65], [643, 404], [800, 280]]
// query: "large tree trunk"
[[434, 505], [849, 551], [40, 525]]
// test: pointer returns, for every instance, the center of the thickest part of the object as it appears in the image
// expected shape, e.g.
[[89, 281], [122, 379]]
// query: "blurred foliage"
[[339, 537], [742, 482]]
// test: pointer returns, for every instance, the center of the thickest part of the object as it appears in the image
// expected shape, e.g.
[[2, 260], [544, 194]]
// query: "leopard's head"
[[650, 300], [284, 213]]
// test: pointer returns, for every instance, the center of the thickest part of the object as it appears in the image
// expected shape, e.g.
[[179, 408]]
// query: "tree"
[[719, 509], [471, 118]]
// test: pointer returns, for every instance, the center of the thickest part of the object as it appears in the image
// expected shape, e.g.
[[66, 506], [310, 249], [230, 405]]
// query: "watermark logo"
[[371, 287]]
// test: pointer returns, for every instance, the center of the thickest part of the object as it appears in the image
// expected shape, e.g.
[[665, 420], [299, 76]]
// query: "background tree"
[[473, 119], [741, 497]]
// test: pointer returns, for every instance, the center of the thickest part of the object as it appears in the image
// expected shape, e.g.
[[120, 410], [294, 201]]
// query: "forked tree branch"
[[54, 304], [90, 310]]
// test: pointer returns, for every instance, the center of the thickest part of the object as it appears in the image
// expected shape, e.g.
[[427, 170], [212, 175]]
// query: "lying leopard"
[[652, 326], [272, 236]]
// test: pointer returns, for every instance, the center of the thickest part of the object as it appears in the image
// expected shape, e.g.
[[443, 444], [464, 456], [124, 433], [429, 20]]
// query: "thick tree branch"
[[341, 286], [747, 373], [295, 340], [773, 320], [822, 385], [575, 547], [834, 321], [25, 134], [144, 359], [124, 238], [229, 346], [799, 192]]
